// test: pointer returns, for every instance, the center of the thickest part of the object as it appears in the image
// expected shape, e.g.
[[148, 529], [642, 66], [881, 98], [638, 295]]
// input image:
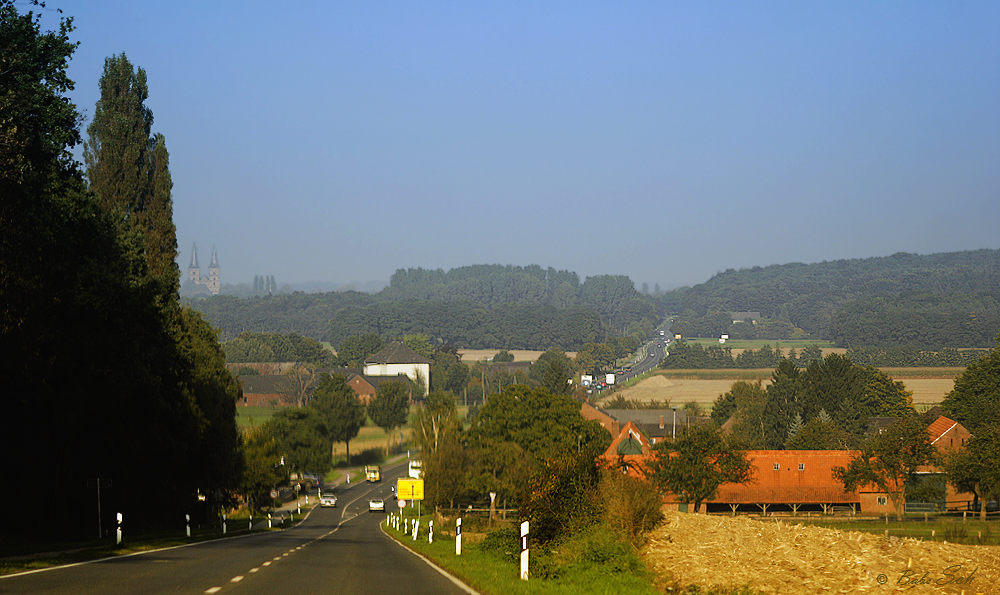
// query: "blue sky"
[[665, 141]]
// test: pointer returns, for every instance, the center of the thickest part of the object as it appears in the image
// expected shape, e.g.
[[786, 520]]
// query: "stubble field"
[[676, 387]]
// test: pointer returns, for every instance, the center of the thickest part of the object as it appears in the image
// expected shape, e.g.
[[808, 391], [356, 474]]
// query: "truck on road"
[[373, 473]]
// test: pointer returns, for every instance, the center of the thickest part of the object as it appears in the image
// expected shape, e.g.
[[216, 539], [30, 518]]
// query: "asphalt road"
[[334, 550]]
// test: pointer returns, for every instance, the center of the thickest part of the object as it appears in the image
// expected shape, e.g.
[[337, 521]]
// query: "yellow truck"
[[373, 473]]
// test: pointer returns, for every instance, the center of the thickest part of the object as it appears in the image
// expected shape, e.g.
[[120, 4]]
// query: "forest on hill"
[[929, 301], [480, 306]]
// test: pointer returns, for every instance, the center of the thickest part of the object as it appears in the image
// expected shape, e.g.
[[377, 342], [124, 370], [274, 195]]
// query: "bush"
[[504, 543], [561, 497], [631, 505]]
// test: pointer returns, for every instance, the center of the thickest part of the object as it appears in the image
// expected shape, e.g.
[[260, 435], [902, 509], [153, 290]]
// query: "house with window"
[[398, 359]]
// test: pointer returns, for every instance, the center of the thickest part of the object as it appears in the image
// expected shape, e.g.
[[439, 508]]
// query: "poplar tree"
[[129, 171]]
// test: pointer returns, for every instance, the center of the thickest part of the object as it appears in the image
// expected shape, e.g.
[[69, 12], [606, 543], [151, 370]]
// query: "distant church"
[[212, 282]]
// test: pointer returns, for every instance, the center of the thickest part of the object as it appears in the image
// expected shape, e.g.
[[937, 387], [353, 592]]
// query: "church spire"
[[194, 256], [215, 259]]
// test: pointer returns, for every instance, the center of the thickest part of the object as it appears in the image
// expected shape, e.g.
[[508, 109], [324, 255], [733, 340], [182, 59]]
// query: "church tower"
[[214, 279], [194, 271], [213, 282]]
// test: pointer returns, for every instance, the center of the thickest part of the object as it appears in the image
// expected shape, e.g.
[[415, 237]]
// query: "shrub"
[[561, 497], [631, 505], [504, 543]]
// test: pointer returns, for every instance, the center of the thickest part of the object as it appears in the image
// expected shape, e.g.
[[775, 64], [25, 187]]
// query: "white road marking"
[[236, 579], [268, 563], [213, 590], [253, 570]]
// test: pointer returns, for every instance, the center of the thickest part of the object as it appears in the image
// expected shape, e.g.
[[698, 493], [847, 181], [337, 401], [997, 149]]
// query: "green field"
[[249, 417]]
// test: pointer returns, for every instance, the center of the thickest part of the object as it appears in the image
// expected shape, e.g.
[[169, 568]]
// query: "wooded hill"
[[933, 301], [481, 306]]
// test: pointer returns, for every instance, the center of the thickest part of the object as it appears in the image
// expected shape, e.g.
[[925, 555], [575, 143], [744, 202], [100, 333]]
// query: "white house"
[[396, 359]]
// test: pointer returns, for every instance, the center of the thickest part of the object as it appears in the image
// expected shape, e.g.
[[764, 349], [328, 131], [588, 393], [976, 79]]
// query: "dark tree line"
[[931, 302], [693, 356], [109, 381], [472, 307], [276, 347], [828, 404]]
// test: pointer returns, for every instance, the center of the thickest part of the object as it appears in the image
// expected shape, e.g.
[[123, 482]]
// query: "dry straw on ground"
[[785, 557]]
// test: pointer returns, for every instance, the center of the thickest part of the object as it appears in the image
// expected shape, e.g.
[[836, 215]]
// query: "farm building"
[[792, 480]]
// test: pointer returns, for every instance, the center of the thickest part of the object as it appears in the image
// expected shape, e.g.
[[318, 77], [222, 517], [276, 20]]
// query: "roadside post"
[[187, 524], [250, 528], [118, 532], [416, 528], [223, 523], [524, 551], [458, 536], [430, 532], [269, 520]]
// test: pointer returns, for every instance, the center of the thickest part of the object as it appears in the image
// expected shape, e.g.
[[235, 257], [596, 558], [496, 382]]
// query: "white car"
[[328, 500], [376, 505]]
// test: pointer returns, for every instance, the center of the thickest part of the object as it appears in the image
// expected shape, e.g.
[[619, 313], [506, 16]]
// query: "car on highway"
[[328, 501], [376, 505]]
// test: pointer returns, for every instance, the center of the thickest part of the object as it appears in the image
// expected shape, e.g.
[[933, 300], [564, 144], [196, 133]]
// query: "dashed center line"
[[213, 590], [268, 563], [236, 579], [253, 570]]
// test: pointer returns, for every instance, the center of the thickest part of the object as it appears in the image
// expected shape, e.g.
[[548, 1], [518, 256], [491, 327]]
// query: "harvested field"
[[677, 391], [928, 390], [781, 557], [520, 355], [929, 385]]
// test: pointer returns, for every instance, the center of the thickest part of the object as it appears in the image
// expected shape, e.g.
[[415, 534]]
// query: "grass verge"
[[588, 564]]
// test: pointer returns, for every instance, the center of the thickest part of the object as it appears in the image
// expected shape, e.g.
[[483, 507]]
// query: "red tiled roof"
[[940, 427], [813, 484]]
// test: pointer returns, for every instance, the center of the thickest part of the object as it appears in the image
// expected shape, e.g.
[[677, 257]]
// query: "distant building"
[[751, 317], [213, 282], [398, 359]]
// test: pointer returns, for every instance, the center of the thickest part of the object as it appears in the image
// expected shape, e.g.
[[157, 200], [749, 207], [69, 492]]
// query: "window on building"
[[777, 466], [881, 500], [802, 466]]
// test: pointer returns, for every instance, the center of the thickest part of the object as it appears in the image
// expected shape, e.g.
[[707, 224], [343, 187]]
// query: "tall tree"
[[552, 371], [697, 463], [974, 468], [341, 413], [119, 139], [975, 400], [389, 408], [887, 459]]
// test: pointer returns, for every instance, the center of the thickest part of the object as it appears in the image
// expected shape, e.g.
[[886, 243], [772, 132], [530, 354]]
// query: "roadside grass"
[[952, 529], [585, 565]]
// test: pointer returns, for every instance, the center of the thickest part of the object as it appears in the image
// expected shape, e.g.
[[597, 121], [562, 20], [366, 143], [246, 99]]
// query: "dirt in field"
[[785, 557]]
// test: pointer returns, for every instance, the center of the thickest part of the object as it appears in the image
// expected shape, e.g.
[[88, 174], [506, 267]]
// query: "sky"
[[666, 141]]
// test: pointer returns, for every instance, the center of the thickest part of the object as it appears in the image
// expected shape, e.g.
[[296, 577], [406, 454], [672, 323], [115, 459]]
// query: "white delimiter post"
[[458, 536], [524, 551], [118, 532]]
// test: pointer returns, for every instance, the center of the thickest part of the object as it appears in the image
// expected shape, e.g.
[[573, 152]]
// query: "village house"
[[398, 359]]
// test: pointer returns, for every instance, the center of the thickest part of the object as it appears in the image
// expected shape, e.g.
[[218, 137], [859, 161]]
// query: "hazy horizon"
[[666, 142]]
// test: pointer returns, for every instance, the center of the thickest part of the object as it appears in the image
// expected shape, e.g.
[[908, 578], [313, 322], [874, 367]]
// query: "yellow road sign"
[[410, 489]]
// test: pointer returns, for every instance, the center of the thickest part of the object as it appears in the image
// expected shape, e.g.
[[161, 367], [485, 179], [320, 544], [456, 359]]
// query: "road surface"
[[334, 550]]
